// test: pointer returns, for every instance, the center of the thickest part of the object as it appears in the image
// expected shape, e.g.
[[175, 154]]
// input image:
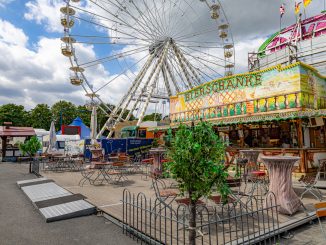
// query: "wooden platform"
[[54, 202]]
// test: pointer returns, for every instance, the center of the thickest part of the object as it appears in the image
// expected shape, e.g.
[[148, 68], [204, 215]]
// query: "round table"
[[251, 155], [157, 154], [251, 165], [280, 175]]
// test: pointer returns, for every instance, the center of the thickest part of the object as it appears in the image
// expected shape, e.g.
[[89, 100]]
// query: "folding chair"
[[148, 163], [309, 183], [258, 180], [120, 171], [97, 155], [321, 212], [87, 172], [137, 163], [163, 196]]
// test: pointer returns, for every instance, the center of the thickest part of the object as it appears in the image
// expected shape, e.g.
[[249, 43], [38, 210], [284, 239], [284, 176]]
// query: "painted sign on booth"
[[276, 88]]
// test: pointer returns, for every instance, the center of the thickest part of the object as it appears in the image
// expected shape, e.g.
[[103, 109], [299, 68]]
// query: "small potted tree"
[[30, 148], [197, 163]]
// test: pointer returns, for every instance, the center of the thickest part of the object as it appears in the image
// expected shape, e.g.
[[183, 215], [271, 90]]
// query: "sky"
[[33, 70]]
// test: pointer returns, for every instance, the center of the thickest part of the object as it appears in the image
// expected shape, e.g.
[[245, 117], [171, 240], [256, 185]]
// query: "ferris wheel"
[[160, 47]]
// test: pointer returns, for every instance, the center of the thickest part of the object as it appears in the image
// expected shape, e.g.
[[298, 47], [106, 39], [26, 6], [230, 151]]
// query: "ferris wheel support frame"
[[128, 94], [147, 83]]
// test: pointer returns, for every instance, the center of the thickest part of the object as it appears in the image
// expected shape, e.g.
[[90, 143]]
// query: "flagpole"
[[280, 23]]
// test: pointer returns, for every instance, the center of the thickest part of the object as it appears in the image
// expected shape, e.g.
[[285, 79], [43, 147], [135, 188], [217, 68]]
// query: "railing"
[[286, 53], [252, 222], [279, 102]]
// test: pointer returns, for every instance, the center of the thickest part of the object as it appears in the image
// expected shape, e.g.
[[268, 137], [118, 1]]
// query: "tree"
[[30, 148], [84, 113], [65, 109], [153, 117], [13, 113], [197, 157], [40, 117]]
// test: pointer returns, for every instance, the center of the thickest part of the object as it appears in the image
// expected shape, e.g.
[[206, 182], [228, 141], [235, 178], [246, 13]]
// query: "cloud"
[[40, 75], [256, 18], [242, 48], [45, 12], [3, 3], [11, 35]]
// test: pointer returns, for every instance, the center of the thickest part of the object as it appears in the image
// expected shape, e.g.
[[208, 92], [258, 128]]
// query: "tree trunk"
[[192, 222]]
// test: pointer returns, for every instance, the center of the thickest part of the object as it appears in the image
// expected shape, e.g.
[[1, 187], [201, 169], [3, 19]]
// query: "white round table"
[[280, 176]]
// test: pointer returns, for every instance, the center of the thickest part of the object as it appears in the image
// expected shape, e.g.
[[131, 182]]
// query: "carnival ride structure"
[[303, 41], [161, 47]]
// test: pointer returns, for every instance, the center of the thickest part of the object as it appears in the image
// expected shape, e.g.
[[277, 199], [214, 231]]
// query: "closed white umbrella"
[[53, 138], [93, 124]]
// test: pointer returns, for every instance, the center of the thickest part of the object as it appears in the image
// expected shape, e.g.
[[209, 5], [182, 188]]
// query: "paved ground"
[[20, 223], [308, 234]]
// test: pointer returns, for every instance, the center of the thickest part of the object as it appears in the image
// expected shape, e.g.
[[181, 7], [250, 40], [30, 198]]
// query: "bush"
[[30, 147]]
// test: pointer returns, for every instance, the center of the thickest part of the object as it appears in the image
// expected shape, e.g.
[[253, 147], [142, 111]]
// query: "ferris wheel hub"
[[158, 45]]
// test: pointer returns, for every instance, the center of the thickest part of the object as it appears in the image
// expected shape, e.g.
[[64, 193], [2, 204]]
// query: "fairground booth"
[[10, 137], [279, 110]]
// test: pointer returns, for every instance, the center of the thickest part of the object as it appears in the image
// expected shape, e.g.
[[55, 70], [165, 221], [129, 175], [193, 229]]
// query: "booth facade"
[[10, 137], [280, 110]]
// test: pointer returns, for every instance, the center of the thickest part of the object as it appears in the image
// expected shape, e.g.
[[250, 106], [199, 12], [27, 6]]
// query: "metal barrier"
[[241, 222], [35, 166]]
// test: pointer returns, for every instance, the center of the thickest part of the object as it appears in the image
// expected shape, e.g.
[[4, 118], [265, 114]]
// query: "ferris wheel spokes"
[[163, 47]]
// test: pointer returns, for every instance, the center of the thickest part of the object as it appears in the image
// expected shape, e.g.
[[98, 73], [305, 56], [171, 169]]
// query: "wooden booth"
[[10, 137], [279, 110]]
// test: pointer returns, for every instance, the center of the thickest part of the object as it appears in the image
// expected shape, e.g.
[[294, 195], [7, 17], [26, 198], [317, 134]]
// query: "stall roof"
[[161, 128], [129, 128], [16, 131]]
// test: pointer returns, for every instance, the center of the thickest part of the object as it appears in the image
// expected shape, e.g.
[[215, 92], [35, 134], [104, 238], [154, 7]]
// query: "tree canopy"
[[197, 160], [13, 113], [153, 117], [65, 111], [40, 117]]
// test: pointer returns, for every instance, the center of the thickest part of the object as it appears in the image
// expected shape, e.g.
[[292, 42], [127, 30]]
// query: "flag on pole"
[[282, 10], [297, 7], [306, 3]]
